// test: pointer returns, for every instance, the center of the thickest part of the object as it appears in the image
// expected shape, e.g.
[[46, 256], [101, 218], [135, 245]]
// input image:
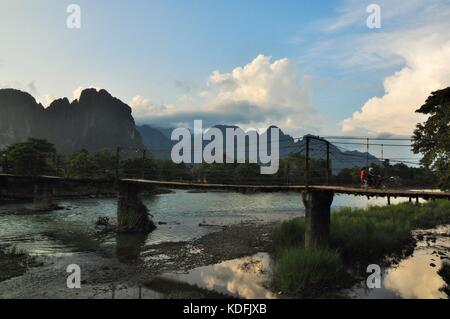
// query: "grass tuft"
[[358, 236], [307, 272]]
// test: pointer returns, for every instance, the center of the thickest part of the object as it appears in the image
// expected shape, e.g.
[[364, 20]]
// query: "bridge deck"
[[358, 191], [371, 192]]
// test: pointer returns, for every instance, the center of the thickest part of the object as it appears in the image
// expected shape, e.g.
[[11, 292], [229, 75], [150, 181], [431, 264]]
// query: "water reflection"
[[242, 278], [416, 276]]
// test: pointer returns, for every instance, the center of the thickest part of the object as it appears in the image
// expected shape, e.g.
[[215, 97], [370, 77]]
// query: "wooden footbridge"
[[358, 191], [132, 215]]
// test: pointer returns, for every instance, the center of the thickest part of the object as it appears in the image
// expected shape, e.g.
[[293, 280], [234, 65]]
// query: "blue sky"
[[152, 47], [307, 66]]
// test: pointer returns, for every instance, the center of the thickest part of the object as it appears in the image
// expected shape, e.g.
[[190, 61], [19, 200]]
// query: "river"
[[71, 230]]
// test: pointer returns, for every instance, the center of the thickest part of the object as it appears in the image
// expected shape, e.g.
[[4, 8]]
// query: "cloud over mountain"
[[258, 94]]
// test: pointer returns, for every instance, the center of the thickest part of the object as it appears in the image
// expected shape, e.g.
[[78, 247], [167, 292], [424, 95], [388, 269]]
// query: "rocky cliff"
[[96, 120]]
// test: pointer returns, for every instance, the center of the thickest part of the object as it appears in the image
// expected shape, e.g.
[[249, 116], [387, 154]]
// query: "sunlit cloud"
[[414, 39], [260, 93]]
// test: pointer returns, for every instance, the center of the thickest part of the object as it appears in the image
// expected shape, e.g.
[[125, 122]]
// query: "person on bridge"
[[363, 175], [373, 179], [370, 176]]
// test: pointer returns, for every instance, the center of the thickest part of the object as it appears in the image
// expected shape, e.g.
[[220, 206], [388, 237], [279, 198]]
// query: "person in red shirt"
[[363, 175]]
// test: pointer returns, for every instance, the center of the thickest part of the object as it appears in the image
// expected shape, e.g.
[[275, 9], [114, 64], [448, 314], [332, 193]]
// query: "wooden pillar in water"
[[132, 215], [43, 196], [317, 217], [3, 187]]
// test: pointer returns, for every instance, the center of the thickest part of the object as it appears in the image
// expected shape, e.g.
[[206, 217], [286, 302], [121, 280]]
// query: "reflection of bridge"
[[132, 215]]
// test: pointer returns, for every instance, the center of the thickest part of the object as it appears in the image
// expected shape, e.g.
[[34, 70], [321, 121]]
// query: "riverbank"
[[378, 235], [22, 192], [14, 262]]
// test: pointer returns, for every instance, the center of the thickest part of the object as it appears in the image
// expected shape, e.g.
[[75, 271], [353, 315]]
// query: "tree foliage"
[[82, 165], [138, 168], [33, 157], [432, 138]]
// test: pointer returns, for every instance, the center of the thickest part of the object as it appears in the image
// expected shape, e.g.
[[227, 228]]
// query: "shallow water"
[[241, 278], [415, 276], [71, 230]]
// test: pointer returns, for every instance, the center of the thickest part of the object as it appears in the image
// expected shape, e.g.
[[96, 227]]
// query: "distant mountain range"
[[161, 145], [98, 120]]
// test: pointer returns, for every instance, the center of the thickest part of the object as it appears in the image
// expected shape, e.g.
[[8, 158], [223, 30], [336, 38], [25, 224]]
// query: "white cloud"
[[144, 108], [31, 88], [276, 89], [47, 100], [353, 13], [261, 82], [427, 69], [258, 94], [422, 45]]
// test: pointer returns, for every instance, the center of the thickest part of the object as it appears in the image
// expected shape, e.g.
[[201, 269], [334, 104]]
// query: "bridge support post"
[[43, 196], [317, 217], [132, 215], [3, 187]]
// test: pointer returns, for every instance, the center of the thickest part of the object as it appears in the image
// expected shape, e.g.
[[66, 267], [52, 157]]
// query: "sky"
[[306, 66]]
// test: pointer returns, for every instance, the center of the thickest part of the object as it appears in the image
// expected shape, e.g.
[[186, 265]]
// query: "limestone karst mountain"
[[96, 120]]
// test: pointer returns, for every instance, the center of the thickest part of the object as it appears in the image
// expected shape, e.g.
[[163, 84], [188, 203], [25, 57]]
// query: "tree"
[[41, 145], [247, 173], [106, 161], [33, 157], [432, 138], [349, 176], [139, 168], [82, 165], [168, 170]]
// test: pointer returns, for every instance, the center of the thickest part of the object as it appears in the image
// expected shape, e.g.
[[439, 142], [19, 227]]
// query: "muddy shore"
[[104, 275], [134, 271]]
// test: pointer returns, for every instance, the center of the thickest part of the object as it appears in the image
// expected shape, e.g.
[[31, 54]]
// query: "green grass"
[[14, 251], [308, 272], [289, 234], [358, 236], [13, 262]]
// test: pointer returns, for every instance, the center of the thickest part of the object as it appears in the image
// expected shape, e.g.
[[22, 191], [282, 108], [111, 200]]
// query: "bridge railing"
[[314, 163]]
